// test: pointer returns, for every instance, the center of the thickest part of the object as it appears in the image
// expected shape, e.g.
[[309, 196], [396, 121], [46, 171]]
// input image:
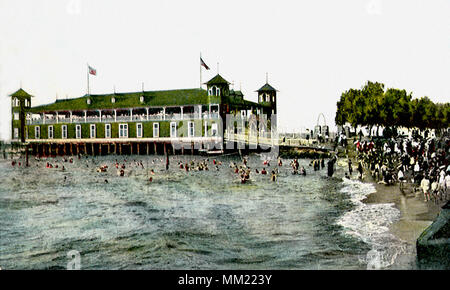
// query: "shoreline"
[[415, 216]]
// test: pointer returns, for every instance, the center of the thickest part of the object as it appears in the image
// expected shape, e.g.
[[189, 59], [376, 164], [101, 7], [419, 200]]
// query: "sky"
[[312, 50]]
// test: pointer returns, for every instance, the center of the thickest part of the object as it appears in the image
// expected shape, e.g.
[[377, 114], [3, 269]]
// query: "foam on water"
[[370, 223]]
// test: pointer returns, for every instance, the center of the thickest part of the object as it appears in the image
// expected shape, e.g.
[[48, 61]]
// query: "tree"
[[372, 106]]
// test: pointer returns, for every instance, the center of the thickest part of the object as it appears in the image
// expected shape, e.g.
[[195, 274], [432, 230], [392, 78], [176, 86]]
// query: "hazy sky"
[[312, 50]]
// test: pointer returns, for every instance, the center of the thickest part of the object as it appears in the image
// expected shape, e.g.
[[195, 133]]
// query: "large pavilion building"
[[136, 122]]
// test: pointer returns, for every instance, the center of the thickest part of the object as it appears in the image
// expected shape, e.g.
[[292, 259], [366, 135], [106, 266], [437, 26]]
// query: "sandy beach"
[[416, 216]]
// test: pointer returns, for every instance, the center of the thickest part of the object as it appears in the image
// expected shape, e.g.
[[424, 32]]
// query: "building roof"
[[217, 80], [238, 93], [267, 88], [129, 100], [20, 93]]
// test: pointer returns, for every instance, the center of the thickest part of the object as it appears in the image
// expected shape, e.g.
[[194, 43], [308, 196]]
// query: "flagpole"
[[87, 78], [200, 70]]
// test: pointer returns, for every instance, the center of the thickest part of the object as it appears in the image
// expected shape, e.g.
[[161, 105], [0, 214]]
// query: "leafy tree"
[[373, 106]]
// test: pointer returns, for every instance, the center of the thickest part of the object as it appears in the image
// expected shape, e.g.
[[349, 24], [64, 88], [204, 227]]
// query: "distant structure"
[[135, 122]]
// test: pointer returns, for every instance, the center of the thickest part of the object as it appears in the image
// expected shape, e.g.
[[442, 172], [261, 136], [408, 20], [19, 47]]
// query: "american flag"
[[203, 63], [92, 70]]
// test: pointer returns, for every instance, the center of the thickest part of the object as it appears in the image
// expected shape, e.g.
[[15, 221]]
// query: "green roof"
[[266, 88], [129, 100], [20, 93], [238, 93], [217, 80]]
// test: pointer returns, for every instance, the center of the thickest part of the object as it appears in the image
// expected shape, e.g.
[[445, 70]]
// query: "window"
[[155, 130], [88, 101], [214, 91], [50, 132], [16, 133], [107, 130], [173, 129], [37, 132], [191, 131], [139, 130], [141, 99], [214, 129], [113, 100], [16, 116], [64, 131], [123, 130], [78, 131], [92, 131]]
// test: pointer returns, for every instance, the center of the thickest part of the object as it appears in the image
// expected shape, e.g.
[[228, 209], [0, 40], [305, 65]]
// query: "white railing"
[[152, 117]]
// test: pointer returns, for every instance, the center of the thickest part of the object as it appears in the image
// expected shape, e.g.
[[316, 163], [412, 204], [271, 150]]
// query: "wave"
[[370, 223]]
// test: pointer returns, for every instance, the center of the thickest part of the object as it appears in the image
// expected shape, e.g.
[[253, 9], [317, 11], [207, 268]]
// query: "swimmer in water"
[[264, 171], [106, 180], [273, 177], [302, 171]]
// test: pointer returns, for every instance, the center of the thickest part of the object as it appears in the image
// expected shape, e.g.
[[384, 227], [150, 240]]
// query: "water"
[[188, 220]]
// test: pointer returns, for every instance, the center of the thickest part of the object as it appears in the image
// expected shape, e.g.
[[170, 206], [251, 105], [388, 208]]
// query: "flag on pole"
[[202, 63], [92, 70]]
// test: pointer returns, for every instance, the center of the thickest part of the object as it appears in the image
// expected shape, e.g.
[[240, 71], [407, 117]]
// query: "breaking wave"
[[370, 223]]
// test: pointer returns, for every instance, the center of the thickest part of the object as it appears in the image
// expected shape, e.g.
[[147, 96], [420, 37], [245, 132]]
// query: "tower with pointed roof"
[[20, 103], [267, 95], [217, 88]]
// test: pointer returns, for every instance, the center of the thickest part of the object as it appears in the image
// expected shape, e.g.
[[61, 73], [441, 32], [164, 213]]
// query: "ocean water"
[[50, 218]]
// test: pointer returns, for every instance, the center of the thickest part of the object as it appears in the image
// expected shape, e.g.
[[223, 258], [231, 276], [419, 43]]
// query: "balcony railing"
[[109, 118]]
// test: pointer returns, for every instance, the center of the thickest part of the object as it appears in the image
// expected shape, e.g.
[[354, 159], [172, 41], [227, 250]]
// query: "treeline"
[[373, 106]]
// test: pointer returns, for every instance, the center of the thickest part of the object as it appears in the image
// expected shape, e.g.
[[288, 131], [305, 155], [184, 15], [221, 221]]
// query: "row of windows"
[[123, 131], [113, 100], [16, 103]]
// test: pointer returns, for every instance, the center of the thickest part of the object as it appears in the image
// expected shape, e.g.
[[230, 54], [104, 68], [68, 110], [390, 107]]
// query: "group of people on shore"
[[421, 162]]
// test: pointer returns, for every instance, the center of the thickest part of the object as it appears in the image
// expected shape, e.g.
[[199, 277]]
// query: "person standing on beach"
[[425, 185], [360, 170]]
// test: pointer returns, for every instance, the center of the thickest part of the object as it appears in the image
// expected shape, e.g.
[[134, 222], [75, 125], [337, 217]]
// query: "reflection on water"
[[181, 220]]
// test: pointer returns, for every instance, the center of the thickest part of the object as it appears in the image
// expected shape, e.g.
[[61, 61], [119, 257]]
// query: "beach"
[[415, 216]]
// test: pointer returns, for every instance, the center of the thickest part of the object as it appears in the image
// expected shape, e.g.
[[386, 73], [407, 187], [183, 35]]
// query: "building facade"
[[189, 117]]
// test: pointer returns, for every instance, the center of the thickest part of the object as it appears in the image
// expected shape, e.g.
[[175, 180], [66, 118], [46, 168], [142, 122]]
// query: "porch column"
[[199, 111], [209, 112], [164, 113], [131, 114], [147, 115], [115, 115], [70, 113], [57, 118], [182, 112], [85, 116], [43, 118], [100, 114]]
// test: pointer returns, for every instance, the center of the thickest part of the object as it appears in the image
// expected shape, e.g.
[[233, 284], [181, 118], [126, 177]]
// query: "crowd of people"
[[421, 162]]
